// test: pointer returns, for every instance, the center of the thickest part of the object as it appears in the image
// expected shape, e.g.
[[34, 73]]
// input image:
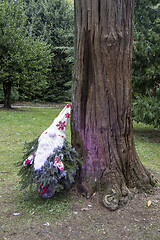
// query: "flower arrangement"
[[49, 161], [57, 173]]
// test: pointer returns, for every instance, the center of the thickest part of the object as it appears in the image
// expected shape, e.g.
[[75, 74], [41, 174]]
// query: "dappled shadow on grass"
[[151, 135]]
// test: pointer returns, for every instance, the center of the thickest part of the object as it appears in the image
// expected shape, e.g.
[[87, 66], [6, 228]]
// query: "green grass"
[[147, 141], [16, 128], [24, 125]]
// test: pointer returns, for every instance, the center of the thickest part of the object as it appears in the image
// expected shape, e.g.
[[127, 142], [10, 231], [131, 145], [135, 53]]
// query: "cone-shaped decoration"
[[52, 138]]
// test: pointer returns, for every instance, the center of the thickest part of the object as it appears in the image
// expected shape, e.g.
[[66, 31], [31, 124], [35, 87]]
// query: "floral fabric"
[[52, 138]]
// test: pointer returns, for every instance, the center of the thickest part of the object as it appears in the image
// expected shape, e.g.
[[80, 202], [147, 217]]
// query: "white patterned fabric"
[[52, 138]]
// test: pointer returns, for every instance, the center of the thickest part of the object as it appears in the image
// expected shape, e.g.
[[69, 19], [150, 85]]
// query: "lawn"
[[25, 216], [147, 141]]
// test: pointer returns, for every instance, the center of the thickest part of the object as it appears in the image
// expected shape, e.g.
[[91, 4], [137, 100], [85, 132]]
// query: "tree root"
[[115, 198], [85, 189], [111, 200], [118, 195], [113, 189]]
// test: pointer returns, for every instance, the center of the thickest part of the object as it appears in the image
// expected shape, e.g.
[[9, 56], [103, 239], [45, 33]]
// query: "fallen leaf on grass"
[[149, 203]]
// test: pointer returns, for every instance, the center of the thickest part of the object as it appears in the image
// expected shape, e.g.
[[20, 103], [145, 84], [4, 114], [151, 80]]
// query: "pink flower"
[[26, 162], [56, 160], [69, 105], [44, 189], [67, 115], [61, 125], [29, 160], [58, 163], [152, 91]]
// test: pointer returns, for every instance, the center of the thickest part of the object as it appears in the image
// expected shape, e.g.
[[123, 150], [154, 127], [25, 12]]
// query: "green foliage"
[[146, 62], [11, 40], [49, 175], [60, 80], [53, 20], [146, 109], [69, 51], [27, 172], [146, 51], [24, 60]]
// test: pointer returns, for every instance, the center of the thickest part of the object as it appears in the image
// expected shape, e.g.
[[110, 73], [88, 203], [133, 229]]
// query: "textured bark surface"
[[101, 117]]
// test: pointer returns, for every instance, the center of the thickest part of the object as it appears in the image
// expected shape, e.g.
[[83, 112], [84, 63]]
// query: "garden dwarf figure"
[[49, 154], [52, 138]]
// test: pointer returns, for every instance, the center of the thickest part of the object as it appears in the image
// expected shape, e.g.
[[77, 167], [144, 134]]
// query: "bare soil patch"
[[88, 219]]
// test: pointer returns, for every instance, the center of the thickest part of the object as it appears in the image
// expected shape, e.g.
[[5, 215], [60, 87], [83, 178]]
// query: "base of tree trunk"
[[7, 94], [114, 190], [101, 126], [7, 106]]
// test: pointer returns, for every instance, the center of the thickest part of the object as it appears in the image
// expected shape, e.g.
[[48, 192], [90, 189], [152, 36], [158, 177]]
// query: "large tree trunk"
[[101, 117], [7, 94]]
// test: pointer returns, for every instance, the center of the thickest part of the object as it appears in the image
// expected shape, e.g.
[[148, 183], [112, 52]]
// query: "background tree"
[[146, 51], [146, 63], [24, 61], [101, 118], [54, 21]]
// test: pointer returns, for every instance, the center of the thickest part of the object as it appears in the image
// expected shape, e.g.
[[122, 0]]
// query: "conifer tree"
[[146, 51], [53, 21]]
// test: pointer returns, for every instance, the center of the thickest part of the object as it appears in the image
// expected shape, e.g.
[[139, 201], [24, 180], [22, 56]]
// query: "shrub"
[[146, 109]]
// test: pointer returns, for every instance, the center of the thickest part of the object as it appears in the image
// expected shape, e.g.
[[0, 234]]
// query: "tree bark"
[[101, 117], [7, 94]]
